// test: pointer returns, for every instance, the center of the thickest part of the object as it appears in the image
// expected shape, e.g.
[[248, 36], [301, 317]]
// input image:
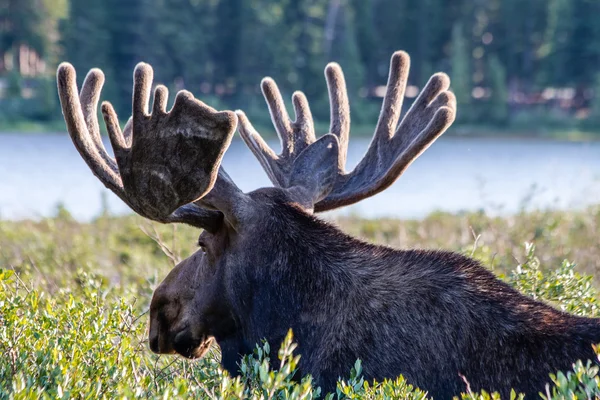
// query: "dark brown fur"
[[429, 315]]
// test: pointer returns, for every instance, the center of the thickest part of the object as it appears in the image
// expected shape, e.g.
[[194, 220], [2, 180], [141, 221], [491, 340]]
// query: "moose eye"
[[202, 245]]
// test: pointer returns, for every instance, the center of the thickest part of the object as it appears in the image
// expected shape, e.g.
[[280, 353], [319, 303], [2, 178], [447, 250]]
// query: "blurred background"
[[523, 72]]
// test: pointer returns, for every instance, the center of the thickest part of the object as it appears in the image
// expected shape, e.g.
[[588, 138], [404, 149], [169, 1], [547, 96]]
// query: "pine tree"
[[498, 102], [364, 28], [176, 41], [86, 41], [461, 71], [344, 50]]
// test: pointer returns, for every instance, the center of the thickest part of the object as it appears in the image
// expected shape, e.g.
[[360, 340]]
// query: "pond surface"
[[501, 176]]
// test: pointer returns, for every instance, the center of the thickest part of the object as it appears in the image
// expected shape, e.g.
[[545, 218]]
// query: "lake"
[[500, 176]]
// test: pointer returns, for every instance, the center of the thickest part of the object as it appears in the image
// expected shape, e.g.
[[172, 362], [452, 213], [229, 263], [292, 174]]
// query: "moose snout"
[[182, 342], [154, 344], [159, 339], [159, 344]]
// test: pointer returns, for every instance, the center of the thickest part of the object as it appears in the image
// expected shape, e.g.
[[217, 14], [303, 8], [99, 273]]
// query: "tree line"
[[512, 62]]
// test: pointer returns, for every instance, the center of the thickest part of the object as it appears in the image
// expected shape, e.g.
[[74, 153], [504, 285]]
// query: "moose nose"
[[154, 344]]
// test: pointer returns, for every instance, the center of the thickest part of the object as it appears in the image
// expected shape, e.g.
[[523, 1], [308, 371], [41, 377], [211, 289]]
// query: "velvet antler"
[[165, 160], [395, 144]]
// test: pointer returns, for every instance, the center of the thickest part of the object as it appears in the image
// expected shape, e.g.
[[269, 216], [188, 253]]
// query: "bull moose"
[[267, 264]]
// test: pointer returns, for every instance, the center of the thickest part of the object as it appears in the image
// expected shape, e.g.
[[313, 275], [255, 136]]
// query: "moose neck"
[[295, 259]]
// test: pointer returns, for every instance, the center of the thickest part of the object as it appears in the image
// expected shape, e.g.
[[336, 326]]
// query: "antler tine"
[[279, 115], [339, 106], [142, 85], [121, 141], [394, 96], [394, 147], [117, 141], [82, 123], [161, 97], [304, 123], [90, 95], [258, 146]]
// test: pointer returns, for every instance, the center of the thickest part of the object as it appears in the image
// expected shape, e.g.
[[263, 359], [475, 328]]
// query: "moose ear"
[[314, 172]]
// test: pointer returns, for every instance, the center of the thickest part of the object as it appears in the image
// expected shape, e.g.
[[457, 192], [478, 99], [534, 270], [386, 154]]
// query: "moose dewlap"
[[267, 264]]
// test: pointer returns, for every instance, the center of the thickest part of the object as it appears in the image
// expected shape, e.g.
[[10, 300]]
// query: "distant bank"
[[467, 131]]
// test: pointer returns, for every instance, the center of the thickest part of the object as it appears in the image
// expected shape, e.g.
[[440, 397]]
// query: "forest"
[[515, 65]]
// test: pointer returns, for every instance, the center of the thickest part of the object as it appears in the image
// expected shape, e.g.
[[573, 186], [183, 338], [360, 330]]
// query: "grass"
[[74, 298]]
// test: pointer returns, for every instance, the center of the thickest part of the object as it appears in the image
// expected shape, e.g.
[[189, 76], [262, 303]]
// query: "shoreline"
[[333, 216], [464, 131]]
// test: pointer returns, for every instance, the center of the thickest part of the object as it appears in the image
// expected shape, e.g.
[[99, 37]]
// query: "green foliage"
[[499, 97], [483, 395], [73, 305], [357, 388], [461, 70], [581, 383], [564, 287]]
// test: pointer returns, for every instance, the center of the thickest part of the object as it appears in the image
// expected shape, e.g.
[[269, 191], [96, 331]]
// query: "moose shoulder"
[[267, 264]]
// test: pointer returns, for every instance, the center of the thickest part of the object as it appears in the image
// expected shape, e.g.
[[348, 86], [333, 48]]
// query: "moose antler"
[[394, 145], [165, 160]]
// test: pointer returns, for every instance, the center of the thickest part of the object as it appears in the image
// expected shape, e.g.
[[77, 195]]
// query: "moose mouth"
[[191, 348]]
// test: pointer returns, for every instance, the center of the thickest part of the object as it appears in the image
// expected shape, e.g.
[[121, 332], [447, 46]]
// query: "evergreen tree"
[[87, 41], [176, 40], [554, 50], [123, 23], [364, 28], [461, 72], [222, 48], [498, 104], [344, 50], [228, 39]]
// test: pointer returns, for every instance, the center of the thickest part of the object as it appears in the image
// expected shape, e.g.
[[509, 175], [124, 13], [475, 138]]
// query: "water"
[[38, 172]]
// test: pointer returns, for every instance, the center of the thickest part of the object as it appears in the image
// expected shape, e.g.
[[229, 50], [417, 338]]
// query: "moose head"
[[267, 264]]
